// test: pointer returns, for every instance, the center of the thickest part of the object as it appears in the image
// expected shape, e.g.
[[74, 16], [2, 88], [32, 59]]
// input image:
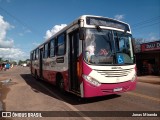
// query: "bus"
[[93, 56]]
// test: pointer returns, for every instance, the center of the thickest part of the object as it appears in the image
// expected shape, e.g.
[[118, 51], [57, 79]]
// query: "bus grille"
[[114, 73]]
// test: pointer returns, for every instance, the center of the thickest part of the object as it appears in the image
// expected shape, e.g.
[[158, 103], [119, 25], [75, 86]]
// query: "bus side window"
[[52, 48], [48, 51], [31, 56], [61, 44], [34, 55], [45, 50], [37, 53]]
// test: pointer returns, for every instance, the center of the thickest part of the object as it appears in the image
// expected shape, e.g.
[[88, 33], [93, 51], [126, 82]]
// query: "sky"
[[24, 24]]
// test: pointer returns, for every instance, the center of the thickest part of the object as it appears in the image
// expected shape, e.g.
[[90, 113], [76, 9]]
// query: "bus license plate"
[[117, 89]]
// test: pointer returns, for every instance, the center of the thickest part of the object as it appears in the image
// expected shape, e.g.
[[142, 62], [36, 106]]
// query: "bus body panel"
[[35, 67]]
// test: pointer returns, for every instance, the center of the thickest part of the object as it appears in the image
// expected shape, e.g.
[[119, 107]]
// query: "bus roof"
[[76, 21]]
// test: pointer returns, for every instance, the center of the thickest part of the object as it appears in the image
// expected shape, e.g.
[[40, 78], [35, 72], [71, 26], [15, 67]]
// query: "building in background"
[[148, 59]]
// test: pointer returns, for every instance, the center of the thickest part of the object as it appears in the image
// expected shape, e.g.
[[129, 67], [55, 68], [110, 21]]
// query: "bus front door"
[[73, 59]]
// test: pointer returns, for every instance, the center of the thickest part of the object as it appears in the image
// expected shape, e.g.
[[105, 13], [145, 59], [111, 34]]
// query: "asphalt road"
[[24, 93]]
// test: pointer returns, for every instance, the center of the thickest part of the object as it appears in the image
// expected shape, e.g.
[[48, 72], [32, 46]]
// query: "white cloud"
[[36, 44], [13, 54], [54, 30], [20, 34], [6, 46], [119, 17], [28, 31], [4, 26], [153, 36]]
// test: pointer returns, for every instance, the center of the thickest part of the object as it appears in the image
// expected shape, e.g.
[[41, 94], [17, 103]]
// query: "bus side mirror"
[[82, 34]]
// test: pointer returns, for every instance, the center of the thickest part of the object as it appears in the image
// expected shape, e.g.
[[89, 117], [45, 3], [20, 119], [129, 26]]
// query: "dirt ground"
[[19, 91]]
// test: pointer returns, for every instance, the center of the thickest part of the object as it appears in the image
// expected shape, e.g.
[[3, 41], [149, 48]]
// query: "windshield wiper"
[[98, 28]]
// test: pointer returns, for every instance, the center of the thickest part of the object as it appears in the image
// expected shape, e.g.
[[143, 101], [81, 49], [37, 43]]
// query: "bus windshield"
[[107, 47]]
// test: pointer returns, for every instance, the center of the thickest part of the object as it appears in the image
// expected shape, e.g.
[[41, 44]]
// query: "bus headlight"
[[91, 80], [134, 77]]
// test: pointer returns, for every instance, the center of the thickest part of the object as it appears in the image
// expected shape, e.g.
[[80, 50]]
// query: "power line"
[[146, 21], [140, 27], [21, 22]]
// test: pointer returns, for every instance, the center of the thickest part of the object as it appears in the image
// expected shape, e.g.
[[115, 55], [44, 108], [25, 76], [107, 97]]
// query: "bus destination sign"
[[107, 22]]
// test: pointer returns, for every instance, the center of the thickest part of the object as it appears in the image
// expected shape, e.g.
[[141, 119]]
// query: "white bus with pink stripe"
[[93, 56]]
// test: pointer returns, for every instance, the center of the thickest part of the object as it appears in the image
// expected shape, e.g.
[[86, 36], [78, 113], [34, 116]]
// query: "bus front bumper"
[[90, 90]]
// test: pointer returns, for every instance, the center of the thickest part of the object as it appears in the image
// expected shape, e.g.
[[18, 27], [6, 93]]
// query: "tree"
[[20, 62], [14, 62], [138, 42]]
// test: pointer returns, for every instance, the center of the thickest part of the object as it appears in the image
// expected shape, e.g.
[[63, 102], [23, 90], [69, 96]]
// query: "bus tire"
[[61, 84], [36, 75]]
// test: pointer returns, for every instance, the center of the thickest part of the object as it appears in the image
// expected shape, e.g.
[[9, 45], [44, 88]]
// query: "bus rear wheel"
[[61, 85], [36, 76]]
